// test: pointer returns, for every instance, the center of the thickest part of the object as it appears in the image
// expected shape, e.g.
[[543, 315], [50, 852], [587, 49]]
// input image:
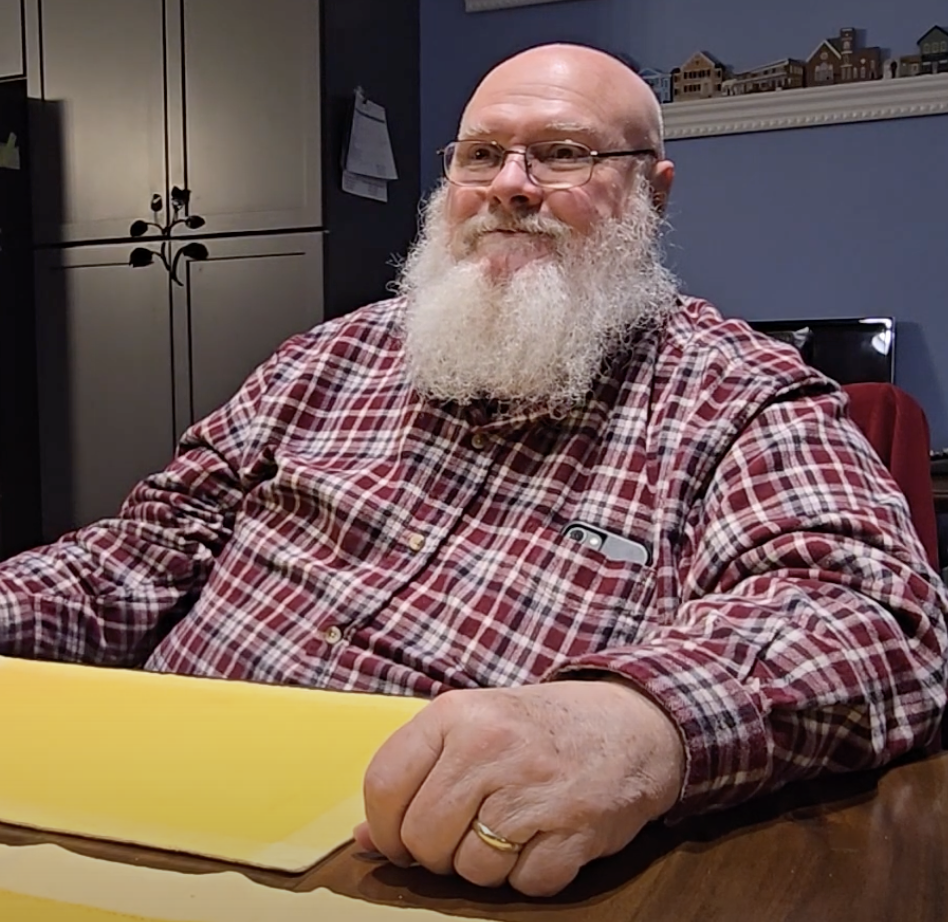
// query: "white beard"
[[536, 340]]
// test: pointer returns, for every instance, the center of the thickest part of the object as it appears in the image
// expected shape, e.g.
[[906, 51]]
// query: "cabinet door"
[[11, 39], [251, 113], [104, 344], [99, 135], [248, 297]]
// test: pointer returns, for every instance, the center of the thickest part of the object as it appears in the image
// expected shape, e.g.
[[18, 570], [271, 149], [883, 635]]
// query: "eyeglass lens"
[[548, 163]]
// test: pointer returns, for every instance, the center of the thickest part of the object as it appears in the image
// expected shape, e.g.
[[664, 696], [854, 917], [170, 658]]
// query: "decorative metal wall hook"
[[144, 256]]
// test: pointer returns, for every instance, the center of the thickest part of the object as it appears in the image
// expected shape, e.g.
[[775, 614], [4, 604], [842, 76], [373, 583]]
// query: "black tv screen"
[[849, 350]]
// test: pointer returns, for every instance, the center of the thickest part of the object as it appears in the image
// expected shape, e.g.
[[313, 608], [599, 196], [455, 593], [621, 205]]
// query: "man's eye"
[[559, 153], [481, 154], [560, 156]]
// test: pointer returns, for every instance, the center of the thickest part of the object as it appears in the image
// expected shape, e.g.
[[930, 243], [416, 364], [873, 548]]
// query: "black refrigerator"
[[20, 520]]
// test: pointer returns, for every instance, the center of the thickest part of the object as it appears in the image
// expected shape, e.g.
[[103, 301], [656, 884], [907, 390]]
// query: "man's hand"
[[571, 770]]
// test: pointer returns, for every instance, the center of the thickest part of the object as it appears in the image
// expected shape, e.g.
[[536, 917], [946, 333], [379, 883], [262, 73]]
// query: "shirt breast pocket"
[[580, 600]]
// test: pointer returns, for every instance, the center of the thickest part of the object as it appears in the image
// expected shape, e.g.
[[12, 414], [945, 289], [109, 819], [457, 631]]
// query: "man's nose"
[[512, 187]]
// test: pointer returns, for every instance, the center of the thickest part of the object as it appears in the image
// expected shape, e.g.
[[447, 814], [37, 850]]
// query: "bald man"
[[637, 555]]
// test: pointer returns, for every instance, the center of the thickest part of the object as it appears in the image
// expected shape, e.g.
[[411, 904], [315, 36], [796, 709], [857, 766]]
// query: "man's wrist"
[[659, 736]]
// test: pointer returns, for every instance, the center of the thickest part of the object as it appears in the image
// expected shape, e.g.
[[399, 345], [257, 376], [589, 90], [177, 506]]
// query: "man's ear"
[[663, 175]]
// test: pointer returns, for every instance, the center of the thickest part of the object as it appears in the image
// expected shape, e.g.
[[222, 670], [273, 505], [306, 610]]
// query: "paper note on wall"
[[256, 774], [365, 186], [9, 153], [369, 163]]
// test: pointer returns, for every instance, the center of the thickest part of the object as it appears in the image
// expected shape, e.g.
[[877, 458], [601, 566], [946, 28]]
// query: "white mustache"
[[539, 225]]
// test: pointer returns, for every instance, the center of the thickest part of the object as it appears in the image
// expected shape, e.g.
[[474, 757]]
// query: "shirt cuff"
[[728, 752]]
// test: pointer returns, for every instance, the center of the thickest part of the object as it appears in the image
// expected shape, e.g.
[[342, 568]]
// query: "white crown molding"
[[903, 97]]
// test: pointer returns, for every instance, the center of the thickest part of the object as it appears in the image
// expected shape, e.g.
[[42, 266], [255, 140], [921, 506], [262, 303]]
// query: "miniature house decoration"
[[839, 61], [788, 74], [700, 77], [843, 60], [933, 51], [661, 83]]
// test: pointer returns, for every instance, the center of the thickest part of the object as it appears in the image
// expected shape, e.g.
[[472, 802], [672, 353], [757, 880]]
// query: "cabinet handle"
[[145, 256]]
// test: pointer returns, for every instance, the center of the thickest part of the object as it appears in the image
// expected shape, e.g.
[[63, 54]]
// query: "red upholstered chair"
[[896, 427]]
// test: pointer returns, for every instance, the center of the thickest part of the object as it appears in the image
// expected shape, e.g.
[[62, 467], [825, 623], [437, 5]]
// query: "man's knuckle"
[[543, 883], [493, 738], [449, 701], [380, 784], [414, 839], [476, 873], [430, 860], [545, 768]]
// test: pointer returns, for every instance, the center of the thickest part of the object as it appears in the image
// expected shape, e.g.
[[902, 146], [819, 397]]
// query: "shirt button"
[[416, 541], [333, 635], [478, 440]]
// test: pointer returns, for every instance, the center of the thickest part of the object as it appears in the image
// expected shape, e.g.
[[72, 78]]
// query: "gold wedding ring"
[[488, 837]]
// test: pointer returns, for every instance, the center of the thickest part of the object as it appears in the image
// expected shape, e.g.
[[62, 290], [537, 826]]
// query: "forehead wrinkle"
[[562, 127], [479, 130], [596, 86], [535, 96]]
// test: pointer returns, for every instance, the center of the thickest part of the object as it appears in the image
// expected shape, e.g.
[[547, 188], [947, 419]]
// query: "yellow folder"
[[255, 774]]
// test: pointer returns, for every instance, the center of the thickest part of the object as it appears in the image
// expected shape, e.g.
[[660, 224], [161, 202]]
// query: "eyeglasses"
[[549, 164]]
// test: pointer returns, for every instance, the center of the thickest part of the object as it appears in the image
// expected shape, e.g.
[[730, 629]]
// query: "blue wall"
[[834, 221]]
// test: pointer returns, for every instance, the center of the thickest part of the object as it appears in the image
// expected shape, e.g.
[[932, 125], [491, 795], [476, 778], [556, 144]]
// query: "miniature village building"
[[933, 51], [789, 74], [910, 65], [661, 83], [932, 57], [700, 77], [842, 60], [890, 68]]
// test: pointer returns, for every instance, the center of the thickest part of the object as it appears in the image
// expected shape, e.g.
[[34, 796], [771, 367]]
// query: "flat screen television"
[[849, 350]]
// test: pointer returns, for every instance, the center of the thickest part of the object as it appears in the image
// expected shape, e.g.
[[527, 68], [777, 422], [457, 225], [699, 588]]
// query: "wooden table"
[[864, 847]]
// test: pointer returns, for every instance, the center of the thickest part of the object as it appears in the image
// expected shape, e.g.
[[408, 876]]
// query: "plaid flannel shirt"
[[329, 528]]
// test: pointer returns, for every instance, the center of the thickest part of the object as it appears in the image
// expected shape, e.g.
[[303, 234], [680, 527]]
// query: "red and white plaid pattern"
[[329, 528]]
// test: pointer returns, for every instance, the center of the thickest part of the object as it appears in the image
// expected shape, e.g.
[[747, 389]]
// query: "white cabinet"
[[219, 96], [249, 110], [128, 360], [98, 66], [237, 101], [11, 39], [105, 376], [235, 308]]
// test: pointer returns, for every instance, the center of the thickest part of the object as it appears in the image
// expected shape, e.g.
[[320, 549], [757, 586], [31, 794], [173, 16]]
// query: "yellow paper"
[[256, 774], [19, 908], [43, 883]]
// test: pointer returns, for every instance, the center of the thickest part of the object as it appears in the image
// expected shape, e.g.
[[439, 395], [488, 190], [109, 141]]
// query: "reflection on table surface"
[[870, 846]]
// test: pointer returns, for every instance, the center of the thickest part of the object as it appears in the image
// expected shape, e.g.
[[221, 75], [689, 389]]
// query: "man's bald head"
[[530, 102], [608, 88]]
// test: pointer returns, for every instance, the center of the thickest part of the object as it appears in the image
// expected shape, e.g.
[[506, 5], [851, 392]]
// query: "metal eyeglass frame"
[[594, 156]]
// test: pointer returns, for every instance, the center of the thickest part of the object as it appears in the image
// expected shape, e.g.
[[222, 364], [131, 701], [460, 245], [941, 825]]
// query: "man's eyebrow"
[[473, 131], [568, 128], [552, 130]]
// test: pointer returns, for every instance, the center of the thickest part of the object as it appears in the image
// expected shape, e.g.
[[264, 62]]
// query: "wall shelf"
[[904, 97]]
